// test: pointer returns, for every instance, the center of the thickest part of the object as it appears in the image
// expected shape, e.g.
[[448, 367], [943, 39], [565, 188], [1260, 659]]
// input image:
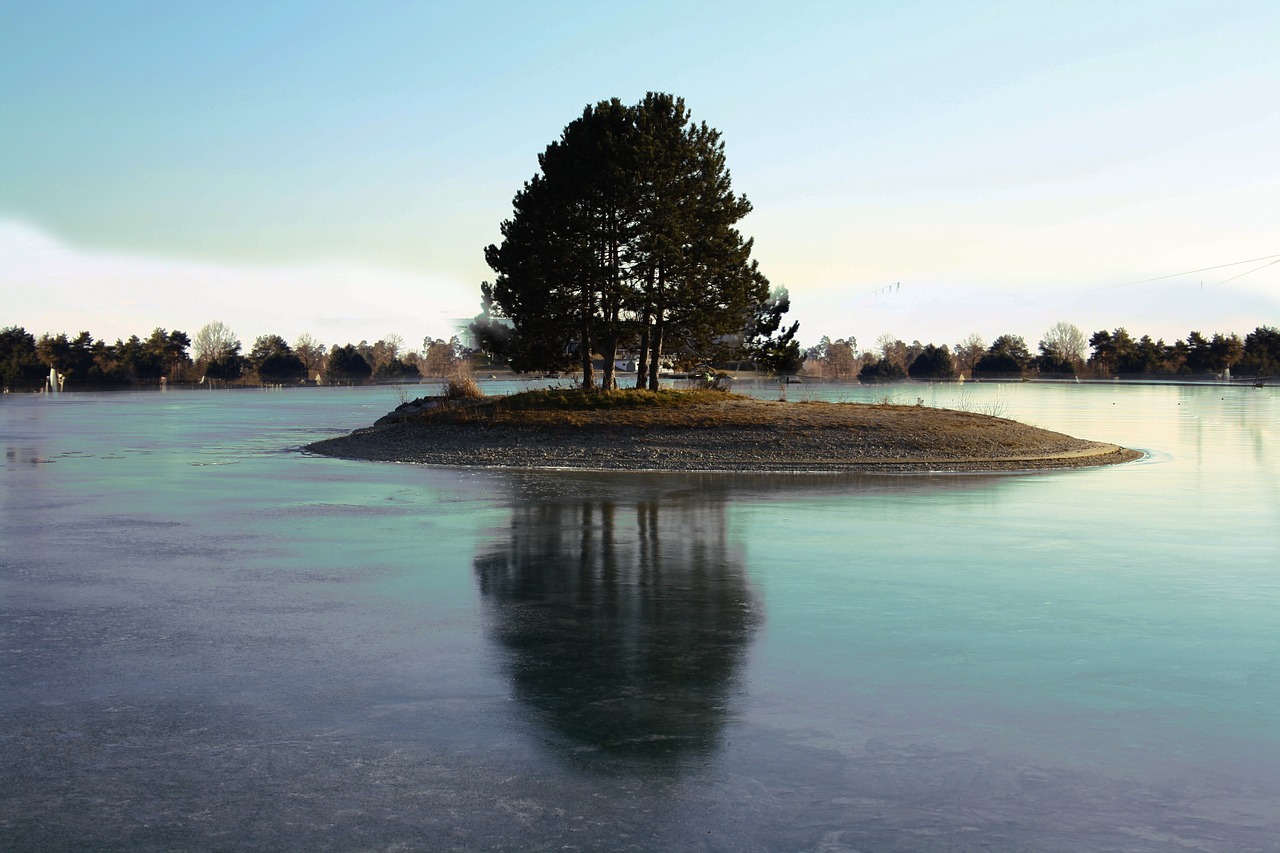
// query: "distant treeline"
[[214, 356], [1064, 351]]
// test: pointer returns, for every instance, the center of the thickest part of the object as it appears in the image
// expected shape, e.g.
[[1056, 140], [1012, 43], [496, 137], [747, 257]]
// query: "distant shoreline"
[[748, 379], [729, 434]]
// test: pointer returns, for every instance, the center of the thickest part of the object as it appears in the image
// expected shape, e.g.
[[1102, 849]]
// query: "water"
[[212, 641]]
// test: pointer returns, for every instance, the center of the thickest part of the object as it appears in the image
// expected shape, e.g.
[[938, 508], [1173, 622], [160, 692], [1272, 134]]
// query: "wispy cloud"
[[51, 286]]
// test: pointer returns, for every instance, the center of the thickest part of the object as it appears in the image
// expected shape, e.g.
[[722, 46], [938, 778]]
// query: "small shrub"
[[711, 380], [992, 408], [462, 388], [995, 409]]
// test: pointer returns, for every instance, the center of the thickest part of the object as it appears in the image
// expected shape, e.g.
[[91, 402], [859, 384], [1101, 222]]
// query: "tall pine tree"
[[626, 235]]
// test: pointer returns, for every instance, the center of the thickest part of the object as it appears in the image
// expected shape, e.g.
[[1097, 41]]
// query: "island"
[[708, 431]]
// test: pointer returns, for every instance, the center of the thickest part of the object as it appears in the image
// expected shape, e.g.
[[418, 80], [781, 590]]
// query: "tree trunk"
[[588, 378], [642, 363], [655, 350], [609, 349], [611, 303]]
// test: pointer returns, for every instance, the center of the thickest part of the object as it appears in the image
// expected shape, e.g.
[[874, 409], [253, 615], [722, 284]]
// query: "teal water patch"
[[211, 639], [1106, 646]]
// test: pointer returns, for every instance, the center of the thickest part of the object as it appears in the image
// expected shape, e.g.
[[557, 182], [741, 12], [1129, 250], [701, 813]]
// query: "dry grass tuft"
[[462, 387], [579, 400], [576, 408]]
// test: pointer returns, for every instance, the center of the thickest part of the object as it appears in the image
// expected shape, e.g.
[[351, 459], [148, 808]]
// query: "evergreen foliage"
[[1007, 355], [932, 363], [627, 233], [275, 361], [882, 370], [770, 347], [20, 369], [346, 364], [86, 363], [1117, 353], [75, 358], [226, 367], [398, 368], [1261, 352]]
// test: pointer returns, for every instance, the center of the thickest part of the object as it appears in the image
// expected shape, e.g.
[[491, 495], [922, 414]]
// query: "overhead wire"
[[1243, 274], [1204, 269]]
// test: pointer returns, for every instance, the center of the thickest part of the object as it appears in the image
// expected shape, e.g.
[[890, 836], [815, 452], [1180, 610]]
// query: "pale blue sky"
[[338, 168]]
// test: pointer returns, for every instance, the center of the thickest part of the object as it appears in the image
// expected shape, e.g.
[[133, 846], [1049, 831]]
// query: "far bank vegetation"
[[1063, 352], [216, 356]]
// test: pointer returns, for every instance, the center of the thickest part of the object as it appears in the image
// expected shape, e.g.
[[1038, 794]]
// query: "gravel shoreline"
[[736, 436]]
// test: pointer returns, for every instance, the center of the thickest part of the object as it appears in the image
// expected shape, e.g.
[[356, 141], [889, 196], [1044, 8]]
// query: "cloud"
[[943, 313], [51, 286]]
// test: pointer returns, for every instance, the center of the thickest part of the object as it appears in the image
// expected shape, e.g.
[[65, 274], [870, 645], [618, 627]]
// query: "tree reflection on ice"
[[623, 621]]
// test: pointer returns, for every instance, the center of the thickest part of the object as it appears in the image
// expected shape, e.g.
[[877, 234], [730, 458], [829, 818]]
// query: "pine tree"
[[627, 232]]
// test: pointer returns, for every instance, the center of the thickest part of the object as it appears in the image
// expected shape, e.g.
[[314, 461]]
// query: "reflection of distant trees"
[[624, 623]]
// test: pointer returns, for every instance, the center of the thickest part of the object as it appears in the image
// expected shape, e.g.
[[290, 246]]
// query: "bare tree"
[[967, 353], [441, 357], [385, 351], [836, 359], [893, 350], [394, 344], [1064, 343], [312, 353], [214, 340]]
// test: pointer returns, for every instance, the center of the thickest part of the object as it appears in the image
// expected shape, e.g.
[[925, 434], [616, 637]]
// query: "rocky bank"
[[729, 434]]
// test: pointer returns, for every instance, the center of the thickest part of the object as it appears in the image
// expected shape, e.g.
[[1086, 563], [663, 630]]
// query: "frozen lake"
[[210, 641]]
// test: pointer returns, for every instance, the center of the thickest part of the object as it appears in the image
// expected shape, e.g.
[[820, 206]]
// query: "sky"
[[925, 170]]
